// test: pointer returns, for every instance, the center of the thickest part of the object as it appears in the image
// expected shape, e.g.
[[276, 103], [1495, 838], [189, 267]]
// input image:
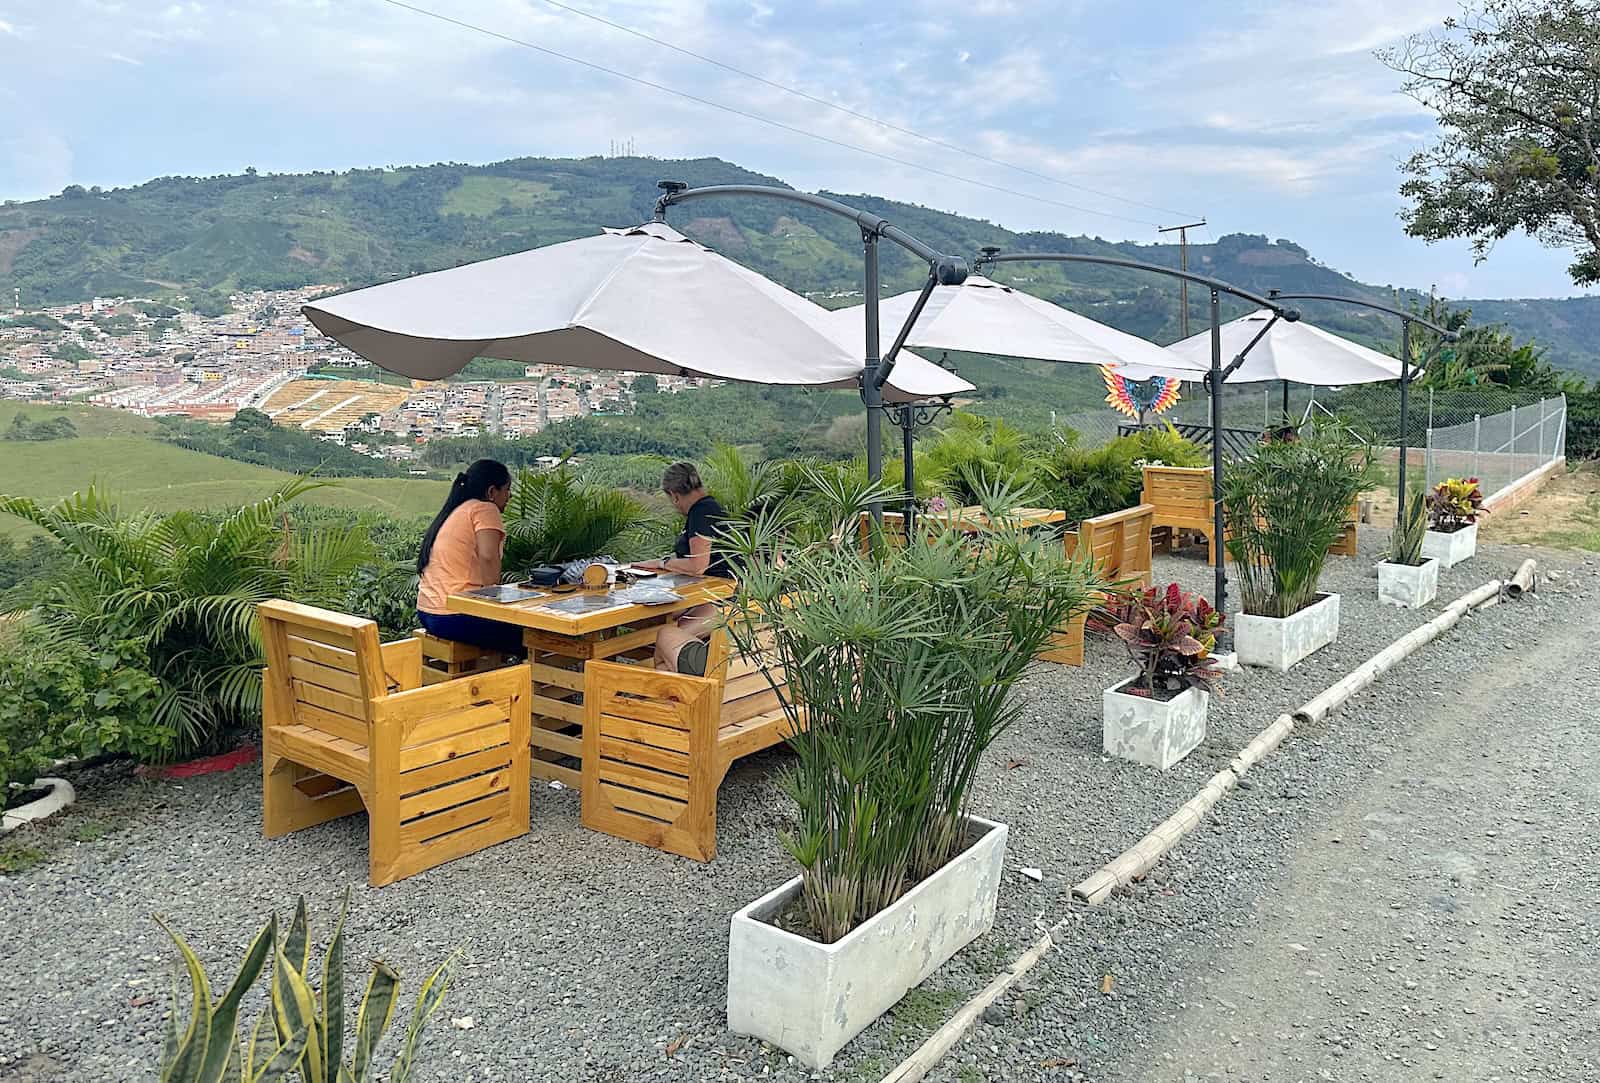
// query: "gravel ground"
[[590, 958]]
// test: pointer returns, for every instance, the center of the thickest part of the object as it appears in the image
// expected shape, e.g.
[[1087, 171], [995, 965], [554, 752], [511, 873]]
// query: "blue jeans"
[[477, 631]]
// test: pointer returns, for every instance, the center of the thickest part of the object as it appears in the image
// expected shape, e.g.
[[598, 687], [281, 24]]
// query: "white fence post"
[[1477, 459], [1541, 432]]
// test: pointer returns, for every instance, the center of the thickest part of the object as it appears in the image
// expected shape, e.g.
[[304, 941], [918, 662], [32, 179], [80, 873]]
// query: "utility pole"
[[1183, 265]]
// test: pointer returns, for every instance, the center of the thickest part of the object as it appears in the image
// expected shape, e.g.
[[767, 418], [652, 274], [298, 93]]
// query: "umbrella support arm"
[[1216, 285], [1233, 366], [886, 365]]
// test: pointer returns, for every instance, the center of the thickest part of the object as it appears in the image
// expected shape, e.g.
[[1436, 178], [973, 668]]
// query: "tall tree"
[[1515, 85]]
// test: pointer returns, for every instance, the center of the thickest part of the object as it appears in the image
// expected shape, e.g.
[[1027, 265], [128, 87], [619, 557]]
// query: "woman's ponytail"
[[473, 483]]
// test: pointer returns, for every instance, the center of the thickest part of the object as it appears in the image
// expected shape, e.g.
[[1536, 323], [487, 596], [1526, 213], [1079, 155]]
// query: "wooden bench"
[[1182, 498], [1346, 545], [347, 724], [445, 659], [1119, 545], [656, 746]]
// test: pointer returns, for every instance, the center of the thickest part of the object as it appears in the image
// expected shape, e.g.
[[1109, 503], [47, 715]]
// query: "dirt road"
[[1443, 922]]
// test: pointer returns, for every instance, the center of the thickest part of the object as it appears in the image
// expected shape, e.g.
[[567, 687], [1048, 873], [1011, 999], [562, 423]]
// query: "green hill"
[[202, 237], [142, 472]]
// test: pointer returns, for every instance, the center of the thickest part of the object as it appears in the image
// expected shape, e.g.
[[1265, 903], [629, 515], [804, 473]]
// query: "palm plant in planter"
[[904, 660], [1158, 716], [1405, 577], [1285, 506], [1453, 509]]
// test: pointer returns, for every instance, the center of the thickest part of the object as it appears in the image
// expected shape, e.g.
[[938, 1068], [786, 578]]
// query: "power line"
[[891, 126], [641, 81]]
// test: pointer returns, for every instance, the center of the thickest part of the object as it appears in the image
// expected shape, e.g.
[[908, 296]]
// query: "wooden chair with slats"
[[1119, 544], [347, 724], [1183, 500], [656, 746]]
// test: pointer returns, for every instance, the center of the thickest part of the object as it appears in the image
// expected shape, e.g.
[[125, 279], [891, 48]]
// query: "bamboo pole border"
[[1143, 855]]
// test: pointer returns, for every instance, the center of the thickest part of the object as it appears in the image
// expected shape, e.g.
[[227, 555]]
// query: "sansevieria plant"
[[1405, 540], [303, 1032]]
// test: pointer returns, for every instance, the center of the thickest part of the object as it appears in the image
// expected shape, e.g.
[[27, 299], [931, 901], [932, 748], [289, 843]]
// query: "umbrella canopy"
[[1296, 352], [984, 316], [645, 299]]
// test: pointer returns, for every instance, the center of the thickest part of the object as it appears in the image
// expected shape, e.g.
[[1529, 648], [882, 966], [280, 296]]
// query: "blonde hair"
[[680, 479]]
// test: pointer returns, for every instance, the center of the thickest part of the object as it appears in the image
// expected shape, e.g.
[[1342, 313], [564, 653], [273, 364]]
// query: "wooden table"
[[561, 644], [973, 517]]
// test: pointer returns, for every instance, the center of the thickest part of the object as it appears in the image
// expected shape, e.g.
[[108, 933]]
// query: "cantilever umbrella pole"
[[1214, 378]]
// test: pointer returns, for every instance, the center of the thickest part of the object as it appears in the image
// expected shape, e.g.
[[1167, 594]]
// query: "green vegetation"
[[169, 602], [557, 515], [905, 659], [59, 427], [1285, 505], [301, 1032], [252, 437], [212, 235], [1516, 108], [153, 475]]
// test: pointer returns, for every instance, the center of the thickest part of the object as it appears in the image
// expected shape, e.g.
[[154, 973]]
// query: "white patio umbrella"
[[985, 316], [1296, 352], [645, 299]]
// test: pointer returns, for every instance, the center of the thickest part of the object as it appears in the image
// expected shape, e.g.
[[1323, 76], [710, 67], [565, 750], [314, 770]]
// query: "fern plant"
[[558, 515], [184, 586], [302, 1030]]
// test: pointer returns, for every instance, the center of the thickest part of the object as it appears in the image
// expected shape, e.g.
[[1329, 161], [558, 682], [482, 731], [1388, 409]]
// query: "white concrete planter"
[[58, 795], [1279, 642], [811, 998], [1409, 586], [1150, 731], [1452, 548]]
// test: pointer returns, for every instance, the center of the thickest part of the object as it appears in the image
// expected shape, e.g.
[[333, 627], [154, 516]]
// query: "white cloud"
[[7, 28]]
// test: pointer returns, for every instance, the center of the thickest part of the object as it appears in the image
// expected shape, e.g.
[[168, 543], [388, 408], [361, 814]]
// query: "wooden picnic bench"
[[347, 724], [1119, 545], [656, 746]]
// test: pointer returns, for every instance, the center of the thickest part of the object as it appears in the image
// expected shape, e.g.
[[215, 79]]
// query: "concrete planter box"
[[1279, 642], [1452, 548], [1150, 731], [1409, 586], [811, 999]]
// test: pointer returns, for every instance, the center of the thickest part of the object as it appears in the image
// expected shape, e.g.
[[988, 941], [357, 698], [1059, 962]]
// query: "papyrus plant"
[[302, 1032], [1285, 505], [903, 660]]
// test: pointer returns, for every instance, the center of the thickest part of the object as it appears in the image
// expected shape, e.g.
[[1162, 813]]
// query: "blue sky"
[[1263, 117]]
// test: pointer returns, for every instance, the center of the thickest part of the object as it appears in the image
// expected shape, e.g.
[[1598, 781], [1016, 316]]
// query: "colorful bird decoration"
[[1134, 397]]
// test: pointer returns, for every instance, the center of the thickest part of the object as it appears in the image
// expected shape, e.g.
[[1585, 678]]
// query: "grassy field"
[[89, 420], [142, 473]]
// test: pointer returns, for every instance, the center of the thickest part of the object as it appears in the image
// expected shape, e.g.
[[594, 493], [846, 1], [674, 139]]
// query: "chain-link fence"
[[1497, 449]]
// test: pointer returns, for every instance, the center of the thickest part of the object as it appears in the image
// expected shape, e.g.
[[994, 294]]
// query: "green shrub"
[[1097, 481], [557, 515], [67, 699], [1285, 505], [971, 452], [182, 589]]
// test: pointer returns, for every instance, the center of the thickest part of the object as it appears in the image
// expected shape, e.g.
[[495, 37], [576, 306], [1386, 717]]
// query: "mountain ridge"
[[204, 237]]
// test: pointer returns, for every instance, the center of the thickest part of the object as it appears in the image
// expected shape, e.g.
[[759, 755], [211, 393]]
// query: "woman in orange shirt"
[[461, 551]]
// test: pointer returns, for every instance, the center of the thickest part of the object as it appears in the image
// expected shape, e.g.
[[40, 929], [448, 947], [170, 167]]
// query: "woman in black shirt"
[[682, 647]]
